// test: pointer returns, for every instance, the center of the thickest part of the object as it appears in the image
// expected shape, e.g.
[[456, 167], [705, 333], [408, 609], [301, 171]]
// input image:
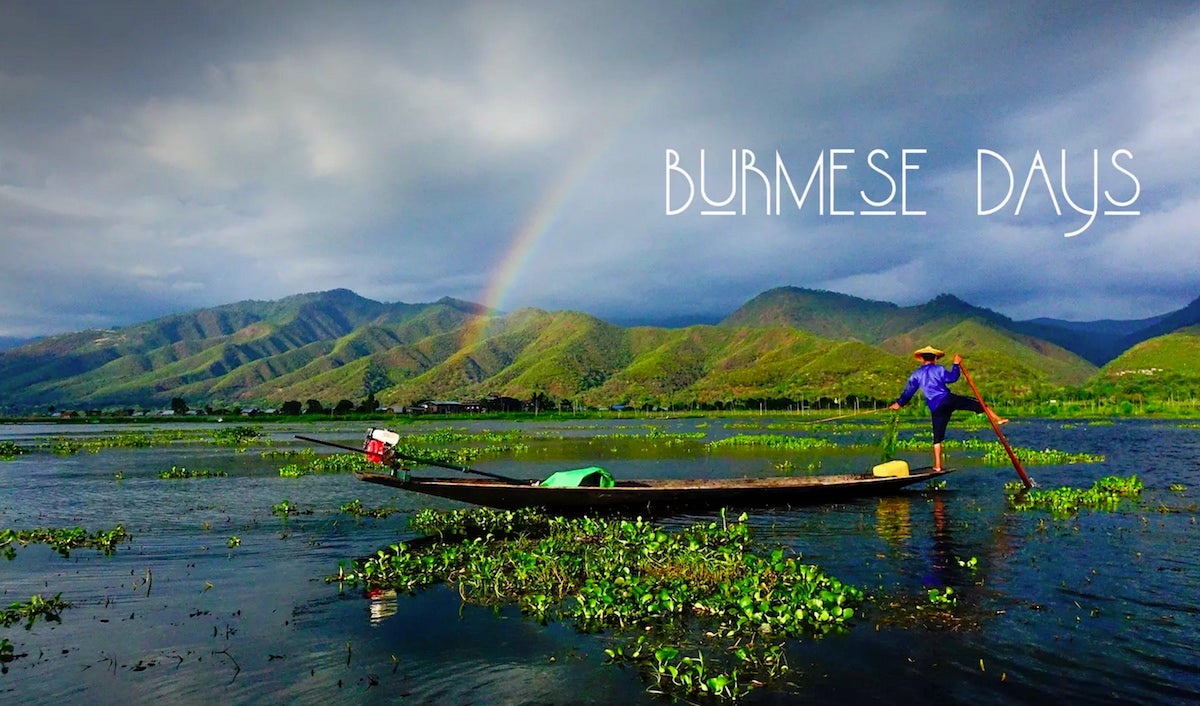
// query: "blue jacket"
[[932, 379]]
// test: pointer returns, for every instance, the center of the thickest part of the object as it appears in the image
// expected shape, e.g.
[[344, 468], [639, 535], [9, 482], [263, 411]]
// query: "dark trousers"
[[950, 405]]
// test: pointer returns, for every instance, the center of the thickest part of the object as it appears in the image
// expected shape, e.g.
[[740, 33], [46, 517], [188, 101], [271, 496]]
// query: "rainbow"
[[539, 221]]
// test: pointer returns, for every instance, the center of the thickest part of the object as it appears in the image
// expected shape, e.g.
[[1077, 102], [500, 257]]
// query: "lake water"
[[1101, 608]]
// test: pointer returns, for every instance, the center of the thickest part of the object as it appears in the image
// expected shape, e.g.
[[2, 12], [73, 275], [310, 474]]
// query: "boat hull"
[[653, 496]]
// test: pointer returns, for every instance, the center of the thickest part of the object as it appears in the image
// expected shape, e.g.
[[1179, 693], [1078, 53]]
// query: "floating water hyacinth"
[[630, 576], [1105, 494]]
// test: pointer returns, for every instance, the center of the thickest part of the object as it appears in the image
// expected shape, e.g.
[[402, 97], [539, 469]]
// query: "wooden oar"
[[996, 428], [415, 459]]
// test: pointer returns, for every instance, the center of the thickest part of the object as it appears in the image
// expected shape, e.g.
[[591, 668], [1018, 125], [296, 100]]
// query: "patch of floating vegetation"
[[286, 508], [994, 453], [655, 435], [1105, 494], [334, 463], [226, 436], [444, 437], [240, 435], [10, 450], [997, 456], [774, 441], [48, 609], [304, 454], [63, 540], [699, 614], [179, 472], [355, 508]]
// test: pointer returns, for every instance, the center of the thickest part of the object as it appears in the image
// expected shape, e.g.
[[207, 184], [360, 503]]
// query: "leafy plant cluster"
[[179, 472], [887, 447], [443, 437], [656, 435], [286, 508], [335, 463], [226, 436], [304, 454], [355, 508], [29, 611], [1105, 494], [708, 613], [239, 435], [995, 455], [63, 540], [773, 441], [10, 450]]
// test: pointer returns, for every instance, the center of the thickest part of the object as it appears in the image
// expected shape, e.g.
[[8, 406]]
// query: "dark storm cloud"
[[156, 157]]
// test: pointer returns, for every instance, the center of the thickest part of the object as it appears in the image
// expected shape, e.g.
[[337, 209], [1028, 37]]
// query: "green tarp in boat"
[[593, 476]]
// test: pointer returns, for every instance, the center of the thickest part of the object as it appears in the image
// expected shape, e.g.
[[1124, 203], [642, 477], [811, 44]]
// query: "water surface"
[[1099, 608]]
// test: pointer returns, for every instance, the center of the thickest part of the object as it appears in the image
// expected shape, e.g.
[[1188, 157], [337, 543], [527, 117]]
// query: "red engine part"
[[376, 451]]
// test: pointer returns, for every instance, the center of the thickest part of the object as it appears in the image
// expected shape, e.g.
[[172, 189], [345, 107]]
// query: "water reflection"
[[1099, 608], [893, 520], [381, 605]]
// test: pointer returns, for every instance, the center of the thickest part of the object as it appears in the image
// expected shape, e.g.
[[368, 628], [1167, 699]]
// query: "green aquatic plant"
[[240, 435], [64, 447], [773, 441], [36, 607], [334, 463], [179, 472], [306, 454], [996, 455], [699, 590], [1105, 494], [286, 508], [126, 440], [355, 508], [445, 437], [233, 541], [887, 448], [63, 540], [10, 450], [943, 597]]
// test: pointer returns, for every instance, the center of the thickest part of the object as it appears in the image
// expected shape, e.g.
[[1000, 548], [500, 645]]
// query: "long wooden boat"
[[652, 496]]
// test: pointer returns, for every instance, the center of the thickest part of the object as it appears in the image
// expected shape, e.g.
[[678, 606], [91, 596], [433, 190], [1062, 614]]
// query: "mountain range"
[[785, 345]]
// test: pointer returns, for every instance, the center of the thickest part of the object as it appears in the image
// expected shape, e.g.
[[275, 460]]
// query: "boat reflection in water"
[[893, 520], [381, 604]]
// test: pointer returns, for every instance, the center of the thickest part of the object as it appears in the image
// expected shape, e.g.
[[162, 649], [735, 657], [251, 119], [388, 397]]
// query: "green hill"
[[1163, 367], [1024, 362], [786, 346], [233, 352]]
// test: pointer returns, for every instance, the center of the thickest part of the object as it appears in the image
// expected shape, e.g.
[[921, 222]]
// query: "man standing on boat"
[[932, 379]]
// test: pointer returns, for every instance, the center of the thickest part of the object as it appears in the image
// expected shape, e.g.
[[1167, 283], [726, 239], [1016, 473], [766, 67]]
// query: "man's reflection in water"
[[893, 523]]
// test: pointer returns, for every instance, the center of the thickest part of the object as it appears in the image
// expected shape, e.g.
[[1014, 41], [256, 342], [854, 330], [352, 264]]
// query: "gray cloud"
[[156, 158]]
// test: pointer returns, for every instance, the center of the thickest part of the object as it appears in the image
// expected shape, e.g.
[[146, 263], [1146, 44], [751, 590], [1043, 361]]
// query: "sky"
[[161, 157]]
